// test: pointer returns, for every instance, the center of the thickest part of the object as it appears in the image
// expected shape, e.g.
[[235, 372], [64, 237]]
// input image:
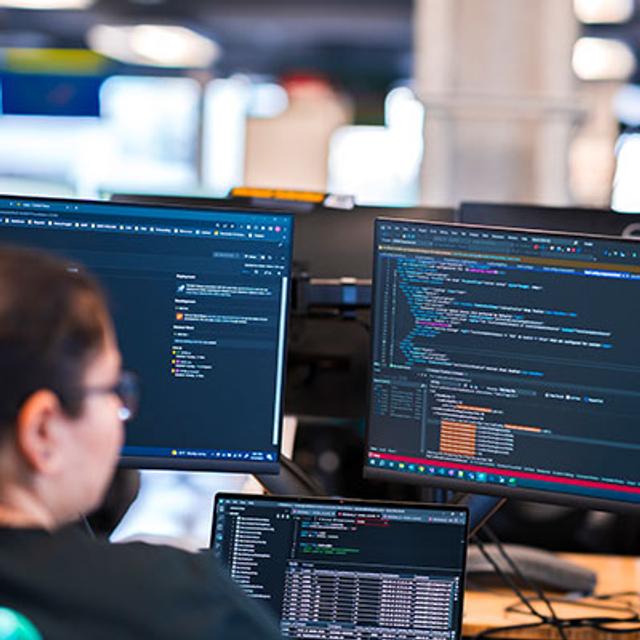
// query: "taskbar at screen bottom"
[[200, 460], [469, 477]]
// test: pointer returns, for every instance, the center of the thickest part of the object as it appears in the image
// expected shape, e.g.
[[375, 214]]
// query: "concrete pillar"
[[593, 159], [496, 81]]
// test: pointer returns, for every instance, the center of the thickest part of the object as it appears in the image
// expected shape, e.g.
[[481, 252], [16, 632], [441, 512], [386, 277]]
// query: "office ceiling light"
[[603, 11], [602, 59], [154, 45], [46, 5]]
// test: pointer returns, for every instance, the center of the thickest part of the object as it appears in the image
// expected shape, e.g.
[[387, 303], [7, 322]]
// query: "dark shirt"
[[72, 586]]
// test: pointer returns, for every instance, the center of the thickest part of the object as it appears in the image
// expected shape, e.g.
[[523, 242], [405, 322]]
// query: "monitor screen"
[[200, 305], [347, 569], [506, 362]]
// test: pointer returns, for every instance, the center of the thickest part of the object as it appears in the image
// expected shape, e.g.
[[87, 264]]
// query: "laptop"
[[333, 568]]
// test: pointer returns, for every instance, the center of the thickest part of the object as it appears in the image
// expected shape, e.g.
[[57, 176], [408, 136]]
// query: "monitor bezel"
[[186, 464], [340, 501], [461, 485]]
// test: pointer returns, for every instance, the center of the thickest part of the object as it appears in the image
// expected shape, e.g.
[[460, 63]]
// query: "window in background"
[[151, 126], [626, 188], [43, 156], [381, 165], [145, 140], [228, 104]]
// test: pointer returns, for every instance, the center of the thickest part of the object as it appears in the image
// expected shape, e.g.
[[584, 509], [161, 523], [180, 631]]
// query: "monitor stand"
[[481, 509], [290, 481]]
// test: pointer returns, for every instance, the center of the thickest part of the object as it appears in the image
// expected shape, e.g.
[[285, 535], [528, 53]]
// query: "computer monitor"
[[572, 219], [200, 305], [347, 569], [506, 362]]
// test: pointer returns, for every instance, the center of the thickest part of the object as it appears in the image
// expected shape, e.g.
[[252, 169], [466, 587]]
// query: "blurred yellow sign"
[[278, 194], [56, 61]]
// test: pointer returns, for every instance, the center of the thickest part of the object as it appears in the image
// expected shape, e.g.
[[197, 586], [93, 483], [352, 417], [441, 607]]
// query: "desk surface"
[[484, 609]]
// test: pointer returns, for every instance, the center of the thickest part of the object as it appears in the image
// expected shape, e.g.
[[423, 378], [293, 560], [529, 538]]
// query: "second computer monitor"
[[506, 362]]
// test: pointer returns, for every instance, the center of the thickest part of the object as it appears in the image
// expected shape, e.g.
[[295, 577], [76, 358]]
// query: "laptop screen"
[[347, 569]]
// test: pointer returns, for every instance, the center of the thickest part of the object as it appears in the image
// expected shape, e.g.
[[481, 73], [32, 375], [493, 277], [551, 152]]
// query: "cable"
[[491, 633], [507, 580], [588, 605], [525, 580], [601, 623], [554, 620], [606, 624]]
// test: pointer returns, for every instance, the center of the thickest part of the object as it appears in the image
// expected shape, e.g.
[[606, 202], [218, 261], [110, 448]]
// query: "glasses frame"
[[127, 390]]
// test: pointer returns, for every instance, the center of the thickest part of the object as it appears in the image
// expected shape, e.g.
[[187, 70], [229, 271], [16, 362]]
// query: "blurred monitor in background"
[[330, 243], [603, 222], [170, 200]]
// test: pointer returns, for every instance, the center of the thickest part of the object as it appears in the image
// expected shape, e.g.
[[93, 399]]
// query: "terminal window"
[[345, 571], [200, 300], [507, 358]]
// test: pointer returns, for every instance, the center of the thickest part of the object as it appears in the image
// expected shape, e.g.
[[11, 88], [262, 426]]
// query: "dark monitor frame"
[[184, 464], [383, 504], [461, 485], [191, 202]]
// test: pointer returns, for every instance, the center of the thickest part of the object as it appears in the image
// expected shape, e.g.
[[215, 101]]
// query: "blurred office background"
[[396, 102]]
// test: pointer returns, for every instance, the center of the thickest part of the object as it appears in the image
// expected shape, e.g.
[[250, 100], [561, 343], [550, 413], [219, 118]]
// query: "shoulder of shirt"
[[160, 574], [135, 554]]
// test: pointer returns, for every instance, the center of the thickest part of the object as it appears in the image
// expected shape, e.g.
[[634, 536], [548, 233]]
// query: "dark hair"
[[53, 322]]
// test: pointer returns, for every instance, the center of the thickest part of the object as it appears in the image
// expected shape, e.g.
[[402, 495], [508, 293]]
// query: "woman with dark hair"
[[63, 399]]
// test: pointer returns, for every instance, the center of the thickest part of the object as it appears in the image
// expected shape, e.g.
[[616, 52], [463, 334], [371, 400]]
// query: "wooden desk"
[[484, 609]]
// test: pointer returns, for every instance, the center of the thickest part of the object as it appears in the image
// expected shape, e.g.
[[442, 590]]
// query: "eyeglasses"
[[128, 391]]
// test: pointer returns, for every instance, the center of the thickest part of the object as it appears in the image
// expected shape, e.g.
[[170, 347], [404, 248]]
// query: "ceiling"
[[363, 44]]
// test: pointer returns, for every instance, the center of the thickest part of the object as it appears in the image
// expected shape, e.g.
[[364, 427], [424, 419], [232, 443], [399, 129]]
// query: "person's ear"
[[37, 431]]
